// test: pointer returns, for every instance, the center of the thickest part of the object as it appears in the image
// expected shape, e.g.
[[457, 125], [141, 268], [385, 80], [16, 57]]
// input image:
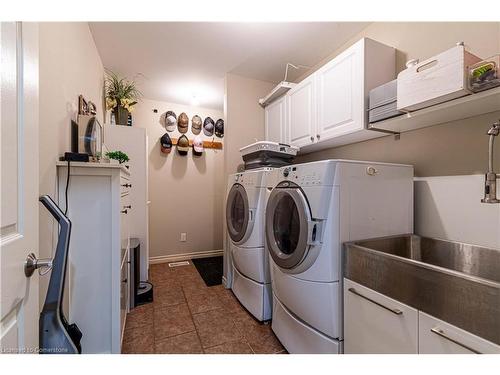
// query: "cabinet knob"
[[127, 185], [312, 138], [124, 280], [129, 206], [124, 212], [317, 136]]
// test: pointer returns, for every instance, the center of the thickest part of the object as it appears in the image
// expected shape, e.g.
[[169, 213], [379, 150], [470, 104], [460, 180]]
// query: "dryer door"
[[290, 230], [238, 214]]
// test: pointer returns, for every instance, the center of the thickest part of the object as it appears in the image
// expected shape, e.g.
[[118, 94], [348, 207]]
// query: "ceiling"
[[185, 62]]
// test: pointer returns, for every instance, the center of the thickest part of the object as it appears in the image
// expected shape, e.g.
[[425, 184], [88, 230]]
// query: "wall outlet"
[[183, 237]]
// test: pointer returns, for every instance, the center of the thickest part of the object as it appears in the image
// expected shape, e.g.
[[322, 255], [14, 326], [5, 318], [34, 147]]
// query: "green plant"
[[120, 91], [118, 155]]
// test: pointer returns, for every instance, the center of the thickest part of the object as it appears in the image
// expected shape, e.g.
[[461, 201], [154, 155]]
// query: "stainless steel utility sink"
[[455, 282]]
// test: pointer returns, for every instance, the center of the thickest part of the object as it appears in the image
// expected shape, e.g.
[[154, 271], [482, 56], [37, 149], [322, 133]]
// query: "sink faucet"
[[490, 182]]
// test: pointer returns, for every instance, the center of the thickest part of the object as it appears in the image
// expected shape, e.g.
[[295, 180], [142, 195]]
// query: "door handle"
[[32, 263], [394, 311], [442, 334]]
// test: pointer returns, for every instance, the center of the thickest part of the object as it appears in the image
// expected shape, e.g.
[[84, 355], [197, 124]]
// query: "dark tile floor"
[[189, 317]]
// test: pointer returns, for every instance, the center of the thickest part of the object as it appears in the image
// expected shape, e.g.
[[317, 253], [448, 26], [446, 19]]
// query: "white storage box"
[[435, 80]]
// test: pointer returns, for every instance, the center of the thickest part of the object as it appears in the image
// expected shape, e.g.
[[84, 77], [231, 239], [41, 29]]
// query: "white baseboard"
[[186, 256]]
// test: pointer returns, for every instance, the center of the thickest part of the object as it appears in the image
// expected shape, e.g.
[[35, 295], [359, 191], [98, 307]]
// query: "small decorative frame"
[[86, 107]]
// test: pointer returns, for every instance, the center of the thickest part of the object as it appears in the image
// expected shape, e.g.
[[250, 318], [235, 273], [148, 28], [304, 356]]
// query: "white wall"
[[186, 192], [69, 66], [449, 207]]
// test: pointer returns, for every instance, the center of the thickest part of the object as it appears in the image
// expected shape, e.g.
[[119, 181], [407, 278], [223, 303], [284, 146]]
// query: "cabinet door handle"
[[124, 212], [129, 206], [394, 311], [127, 185], [441, 333], [317, 136], [124, 280], [312, 138]]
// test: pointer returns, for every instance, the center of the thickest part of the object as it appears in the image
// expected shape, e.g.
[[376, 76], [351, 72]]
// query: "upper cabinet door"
[[340, 93], [301, 113], [275, 121]]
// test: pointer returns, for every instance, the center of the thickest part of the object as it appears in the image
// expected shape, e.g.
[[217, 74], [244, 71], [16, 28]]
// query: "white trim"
[[186, 256]]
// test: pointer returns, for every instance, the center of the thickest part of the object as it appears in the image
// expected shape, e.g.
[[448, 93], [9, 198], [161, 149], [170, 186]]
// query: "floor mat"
[[210, 269]]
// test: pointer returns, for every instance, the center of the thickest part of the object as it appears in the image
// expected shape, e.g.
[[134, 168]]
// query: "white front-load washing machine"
[[245, 216], [312, 210]]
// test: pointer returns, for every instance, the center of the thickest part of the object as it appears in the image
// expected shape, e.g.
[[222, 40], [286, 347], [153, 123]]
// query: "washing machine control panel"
[[303, 176]]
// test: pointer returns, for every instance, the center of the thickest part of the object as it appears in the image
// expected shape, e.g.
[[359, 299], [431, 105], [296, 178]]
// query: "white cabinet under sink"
[[438, 337], [375, 323], [275, 121]]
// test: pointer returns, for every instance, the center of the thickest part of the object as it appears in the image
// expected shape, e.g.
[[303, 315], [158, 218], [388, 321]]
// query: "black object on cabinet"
[[141, 292]]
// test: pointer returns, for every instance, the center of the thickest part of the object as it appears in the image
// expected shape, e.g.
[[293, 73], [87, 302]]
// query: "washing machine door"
[[290, 229], [238, 214]]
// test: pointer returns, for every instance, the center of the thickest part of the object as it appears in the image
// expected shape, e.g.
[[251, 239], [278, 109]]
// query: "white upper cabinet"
[[343, 86], [301, 113], [329, 108], [340, 94], [275, 114]]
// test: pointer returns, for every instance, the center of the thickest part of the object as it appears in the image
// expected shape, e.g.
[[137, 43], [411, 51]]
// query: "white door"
[[19, 185], [275, 121], [301, 113], [340, 94]]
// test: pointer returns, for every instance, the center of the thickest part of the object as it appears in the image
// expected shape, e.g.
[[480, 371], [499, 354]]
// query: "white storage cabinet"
[[133, 141], [329, 108], [301, 113], [97, 292], [438, 337], [275, 121], [375, 323]]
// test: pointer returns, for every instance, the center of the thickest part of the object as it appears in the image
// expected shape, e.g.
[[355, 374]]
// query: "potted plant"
[[121, 96], [118, 155]]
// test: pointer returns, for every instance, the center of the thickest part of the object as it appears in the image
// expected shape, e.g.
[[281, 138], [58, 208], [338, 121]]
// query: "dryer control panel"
[[251, 178]]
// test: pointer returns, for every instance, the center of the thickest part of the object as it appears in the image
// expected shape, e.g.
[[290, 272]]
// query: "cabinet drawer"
[[374, 323], [439, 337], [125, 184], [125, 212]]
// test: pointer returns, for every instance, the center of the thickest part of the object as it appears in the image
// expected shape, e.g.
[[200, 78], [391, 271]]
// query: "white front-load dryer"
[[312, 210], [245, 215]]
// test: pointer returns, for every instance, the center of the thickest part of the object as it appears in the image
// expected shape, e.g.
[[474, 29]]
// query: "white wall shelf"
[[458, 109]]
